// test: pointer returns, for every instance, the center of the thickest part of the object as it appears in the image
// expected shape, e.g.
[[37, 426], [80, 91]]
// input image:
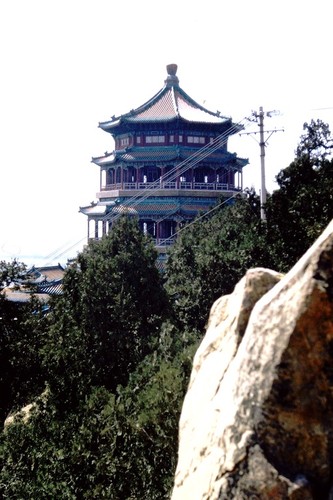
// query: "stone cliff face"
[[257, 421]]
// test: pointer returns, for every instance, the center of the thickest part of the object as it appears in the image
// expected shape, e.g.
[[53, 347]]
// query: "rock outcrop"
[[257, 420]]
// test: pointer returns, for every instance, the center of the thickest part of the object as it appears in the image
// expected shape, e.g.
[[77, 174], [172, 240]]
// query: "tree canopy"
[[212, 255], [112, 307], [108, 366], [303, 205], [10, 271]]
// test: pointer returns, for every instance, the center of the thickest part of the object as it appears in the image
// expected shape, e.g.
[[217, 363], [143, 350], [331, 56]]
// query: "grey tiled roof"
[[165, 154], [149, 207], [54, 288], [170, 103]]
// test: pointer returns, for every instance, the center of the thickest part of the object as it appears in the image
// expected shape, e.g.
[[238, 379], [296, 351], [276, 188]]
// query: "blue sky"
[[68, 64]]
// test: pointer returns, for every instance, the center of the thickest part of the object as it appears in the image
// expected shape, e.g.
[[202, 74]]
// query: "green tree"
[[111, 445], [21, 337], [10, 271], [149, 411], [112, 307], [302, 207], [211, 255], [81, 440], [316, 143], [52, 455]]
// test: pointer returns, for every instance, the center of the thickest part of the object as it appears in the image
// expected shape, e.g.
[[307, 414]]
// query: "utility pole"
[[262, 164], [259, 117]]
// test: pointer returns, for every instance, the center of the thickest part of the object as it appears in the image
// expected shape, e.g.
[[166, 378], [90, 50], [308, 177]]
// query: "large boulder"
[[257, 420]]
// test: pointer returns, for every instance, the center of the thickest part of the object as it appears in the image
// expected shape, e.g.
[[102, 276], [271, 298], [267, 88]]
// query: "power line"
[[179, 169], [202, 216], [140, 197], [170, 176]]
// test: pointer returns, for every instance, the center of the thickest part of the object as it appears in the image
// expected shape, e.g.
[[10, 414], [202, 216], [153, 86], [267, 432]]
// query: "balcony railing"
[[203, 186], [164, 242]]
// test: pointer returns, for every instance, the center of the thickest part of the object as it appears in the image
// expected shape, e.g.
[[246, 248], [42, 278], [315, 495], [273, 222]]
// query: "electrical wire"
[[202, 216], [136, 199], [177, 171]]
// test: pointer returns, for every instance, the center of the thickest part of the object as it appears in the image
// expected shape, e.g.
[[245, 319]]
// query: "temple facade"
[[170, 163]]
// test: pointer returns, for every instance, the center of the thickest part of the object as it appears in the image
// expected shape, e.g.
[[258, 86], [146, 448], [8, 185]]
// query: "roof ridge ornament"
[[172, 79]]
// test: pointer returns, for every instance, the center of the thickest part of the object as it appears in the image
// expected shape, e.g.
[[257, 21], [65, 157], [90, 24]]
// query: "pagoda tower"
[[170, 163]]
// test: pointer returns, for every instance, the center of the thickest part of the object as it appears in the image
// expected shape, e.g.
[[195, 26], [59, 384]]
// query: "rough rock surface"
[[257, 421]]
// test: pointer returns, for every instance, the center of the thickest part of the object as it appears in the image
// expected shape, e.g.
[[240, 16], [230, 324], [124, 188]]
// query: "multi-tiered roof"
[[175, 110], [171, 157]]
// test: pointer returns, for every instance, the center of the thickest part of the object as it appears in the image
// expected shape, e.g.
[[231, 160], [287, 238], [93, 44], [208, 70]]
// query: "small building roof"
[[19, 296], [40, 282], [51, 273], [170, 103]]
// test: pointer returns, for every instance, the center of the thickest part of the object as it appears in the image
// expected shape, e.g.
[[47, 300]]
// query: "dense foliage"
[[210, 257], [107, 368], [10, 271], [303, 205], [112, 308], [21, 372]]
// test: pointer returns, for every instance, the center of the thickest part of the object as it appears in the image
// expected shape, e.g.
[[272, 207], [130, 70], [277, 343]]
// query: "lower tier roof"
[[167, 154], [148, 207]]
